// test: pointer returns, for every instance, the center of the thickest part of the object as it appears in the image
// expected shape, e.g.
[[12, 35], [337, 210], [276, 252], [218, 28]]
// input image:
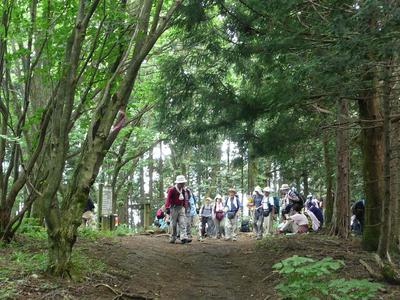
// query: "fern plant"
[[308, 279]]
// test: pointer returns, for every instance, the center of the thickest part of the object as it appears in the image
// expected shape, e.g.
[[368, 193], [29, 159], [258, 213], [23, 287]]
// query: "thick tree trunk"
[[372, 149], [328, 201], [341, 218], [395, 168], [388, 206]]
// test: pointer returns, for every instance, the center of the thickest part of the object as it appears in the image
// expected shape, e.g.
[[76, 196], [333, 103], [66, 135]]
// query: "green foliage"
[[29, 262], [90, 233], [8, 288], [31, 227], [306, 278]]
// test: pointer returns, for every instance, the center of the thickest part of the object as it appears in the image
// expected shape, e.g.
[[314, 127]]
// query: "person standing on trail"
[[268, 204], [176, 202], [218, 216], [232, 206], [205, 217], [258, 212], [191, 214]]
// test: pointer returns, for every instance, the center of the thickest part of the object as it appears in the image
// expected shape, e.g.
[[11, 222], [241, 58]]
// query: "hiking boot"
[[184, 241], [172, 240], [227, 239], [188, 241], [218, 236], [234, 239]]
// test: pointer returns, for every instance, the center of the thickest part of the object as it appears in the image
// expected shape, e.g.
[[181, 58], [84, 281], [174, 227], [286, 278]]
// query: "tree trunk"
[[151, 174], [341, 218], [387, 207], [372, 160], [395, 166], [328, 201], [161, 174], [252, 171]]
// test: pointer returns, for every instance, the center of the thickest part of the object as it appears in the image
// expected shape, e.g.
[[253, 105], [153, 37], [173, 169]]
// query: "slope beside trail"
[[150, 267]]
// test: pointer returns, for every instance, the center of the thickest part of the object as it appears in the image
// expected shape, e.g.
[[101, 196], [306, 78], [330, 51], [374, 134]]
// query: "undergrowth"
[[308, 279]]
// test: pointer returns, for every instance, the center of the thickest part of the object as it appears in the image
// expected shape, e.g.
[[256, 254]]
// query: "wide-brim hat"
[[258, 189], [218, 197], [232, 190], [180, 179], [267, 189], [284, 187]]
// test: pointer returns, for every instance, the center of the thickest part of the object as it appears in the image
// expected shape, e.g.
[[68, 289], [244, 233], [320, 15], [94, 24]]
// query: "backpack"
[[160, 214], [219, 215], [245, 226]]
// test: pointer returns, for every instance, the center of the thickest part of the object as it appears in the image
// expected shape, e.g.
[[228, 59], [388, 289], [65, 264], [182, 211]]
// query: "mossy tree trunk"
[[114, 98]]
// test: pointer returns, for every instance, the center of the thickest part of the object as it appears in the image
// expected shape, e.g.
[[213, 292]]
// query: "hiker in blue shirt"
[[191, 214]]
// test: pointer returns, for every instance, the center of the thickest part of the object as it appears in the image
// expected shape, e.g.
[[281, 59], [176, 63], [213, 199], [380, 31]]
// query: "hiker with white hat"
[[177, 201], [269, 210], [232, 206], [258, 213], [284, 199]]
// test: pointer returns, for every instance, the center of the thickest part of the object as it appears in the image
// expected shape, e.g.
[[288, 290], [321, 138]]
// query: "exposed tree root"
[[389, 271], [371, 272], [122, 295]]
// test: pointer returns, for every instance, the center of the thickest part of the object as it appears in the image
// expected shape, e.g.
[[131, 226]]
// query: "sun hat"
[[258, 189], [218, 197], [284, 187], [267, 189], [180, 179], [232, 190]]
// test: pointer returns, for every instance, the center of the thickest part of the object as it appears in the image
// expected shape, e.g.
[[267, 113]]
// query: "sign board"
[[106, 208]]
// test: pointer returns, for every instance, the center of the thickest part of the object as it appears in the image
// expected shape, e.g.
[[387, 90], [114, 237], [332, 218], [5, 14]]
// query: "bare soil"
[[148, 267]]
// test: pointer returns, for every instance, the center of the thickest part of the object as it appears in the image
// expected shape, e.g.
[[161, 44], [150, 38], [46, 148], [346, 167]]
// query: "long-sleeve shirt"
[[173, 197]]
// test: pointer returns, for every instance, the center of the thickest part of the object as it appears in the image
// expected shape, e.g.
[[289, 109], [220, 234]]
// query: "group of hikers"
[[219, 217]]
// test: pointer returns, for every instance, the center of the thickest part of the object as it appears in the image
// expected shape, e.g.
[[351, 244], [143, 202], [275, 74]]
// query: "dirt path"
[[212, 269], [150, 267]]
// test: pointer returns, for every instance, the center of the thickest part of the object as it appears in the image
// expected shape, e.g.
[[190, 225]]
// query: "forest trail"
[[212, 269], [150, 267]]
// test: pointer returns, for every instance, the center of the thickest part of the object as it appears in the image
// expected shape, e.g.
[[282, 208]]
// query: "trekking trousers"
[[268, 224], [258, 222], [219, 227], [231, 227], [178, 218]]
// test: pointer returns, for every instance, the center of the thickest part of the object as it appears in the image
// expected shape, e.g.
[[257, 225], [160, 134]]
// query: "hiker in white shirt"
[[269, 210], [232, 206]]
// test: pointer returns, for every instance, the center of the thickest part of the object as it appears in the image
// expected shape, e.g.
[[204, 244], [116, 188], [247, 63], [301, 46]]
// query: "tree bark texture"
[[372, 149], [341, 211], [328, 201]]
